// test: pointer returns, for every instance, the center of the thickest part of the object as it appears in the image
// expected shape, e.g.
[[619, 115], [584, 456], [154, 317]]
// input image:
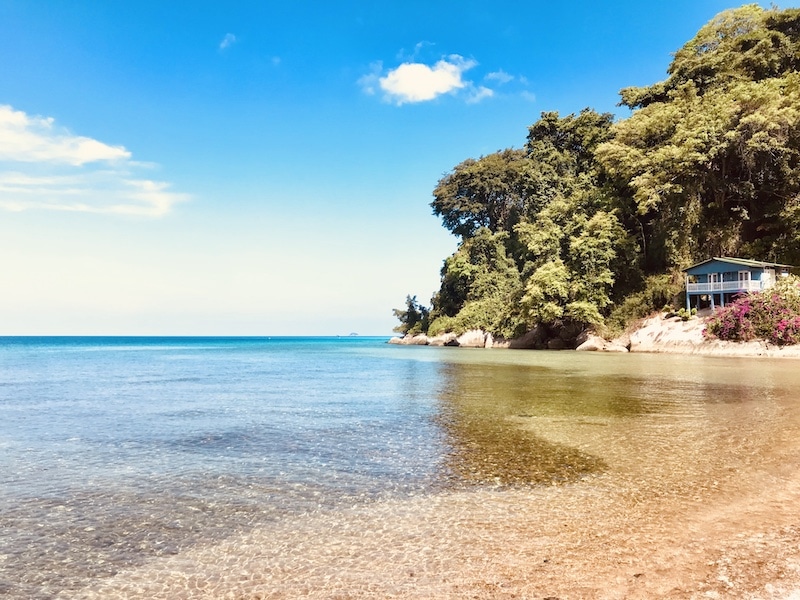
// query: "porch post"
[[712, 298], [688, 305]]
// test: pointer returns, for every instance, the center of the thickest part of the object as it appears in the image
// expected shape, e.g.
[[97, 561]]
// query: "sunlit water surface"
[[122, 455]]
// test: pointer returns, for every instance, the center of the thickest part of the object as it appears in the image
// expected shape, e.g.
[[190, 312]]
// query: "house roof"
[[740, 262]]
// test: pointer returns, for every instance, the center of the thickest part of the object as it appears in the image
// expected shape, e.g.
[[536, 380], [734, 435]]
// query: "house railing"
[[724, 286]]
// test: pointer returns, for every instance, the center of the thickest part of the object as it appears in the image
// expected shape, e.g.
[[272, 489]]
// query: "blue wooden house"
[[716, 281]]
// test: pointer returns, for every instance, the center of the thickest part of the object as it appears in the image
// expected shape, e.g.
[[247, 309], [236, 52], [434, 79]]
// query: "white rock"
[[592, 344], [474, 338]]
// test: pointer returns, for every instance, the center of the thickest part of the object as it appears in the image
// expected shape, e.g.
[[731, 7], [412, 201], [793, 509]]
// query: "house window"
[[744, 276]]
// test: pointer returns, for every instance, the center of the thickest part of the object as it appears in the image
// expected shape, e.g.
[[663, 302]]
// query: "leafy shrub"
[[488, 314], [772, 315], [659, 290]]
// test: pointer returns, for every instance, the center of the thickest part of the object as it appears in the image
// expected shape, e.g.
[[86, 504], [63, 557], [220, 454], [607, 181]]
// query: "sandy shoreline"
[[501, 545]]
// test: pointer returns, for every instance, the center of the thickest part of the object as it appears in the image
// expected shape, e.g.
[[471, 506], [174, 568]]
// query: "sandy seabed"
[[718, 517]]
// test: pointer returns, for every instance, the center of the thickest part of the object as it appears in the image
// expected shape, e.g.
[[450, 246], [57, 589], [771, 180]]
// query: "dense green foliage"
[[414, 319], [591, 221]]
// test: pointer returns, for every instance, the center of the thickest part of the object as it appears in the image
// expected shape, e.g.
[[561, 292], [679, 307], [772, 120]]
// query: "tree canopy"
[[578, 221]]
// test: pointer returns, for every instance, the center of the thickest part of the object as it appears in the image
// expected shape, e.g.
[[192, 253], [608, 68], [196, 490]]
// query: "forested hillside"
[[591, 221]]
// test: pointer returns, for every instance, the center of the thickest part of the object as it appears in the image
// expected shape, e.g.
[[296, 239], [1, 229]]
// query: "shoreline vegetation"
[[581, 235], [659, 333]]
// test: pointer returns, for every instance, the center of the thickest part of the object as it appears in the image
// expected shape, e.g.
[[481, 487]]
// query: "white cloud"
[[500, 77], [476, 94], [228, 40], [49, 168], [34, 139], [418, 82]]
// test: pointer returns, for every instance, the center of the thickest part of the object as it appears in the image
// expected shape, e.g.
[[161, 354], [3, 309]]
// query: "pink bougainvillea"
[[772, 315]]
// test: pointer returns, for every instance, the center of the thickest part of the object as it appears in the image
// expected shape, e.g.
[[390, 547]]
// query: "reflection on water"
[[570, 415], [484, 445]]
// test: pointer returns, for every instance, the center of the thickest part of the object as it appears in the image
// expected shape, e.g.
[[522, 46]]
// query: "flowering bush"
[[772, 315]]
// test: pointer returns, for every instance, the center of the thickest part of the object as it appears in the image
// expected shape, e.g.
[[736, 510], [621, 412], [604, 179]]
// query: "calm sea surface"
[[121, 452]]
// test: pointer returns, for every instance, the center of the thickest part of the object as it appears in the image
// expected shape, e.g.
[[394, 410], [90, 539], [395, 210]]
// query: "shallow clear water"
[[116, 453]]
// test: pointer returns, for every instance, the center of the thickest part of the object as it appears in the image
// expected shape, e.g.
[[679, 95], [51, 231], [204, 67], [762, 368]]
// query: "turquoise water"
[[121, 454], [115, 450]]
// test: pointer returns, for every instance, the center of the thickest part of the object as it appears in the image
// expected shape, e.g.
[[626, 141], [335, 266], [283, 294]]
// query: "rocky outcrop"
[[539, 338], [595, 343], [411, 340], [659, 333], [670, 334], [474, 338], [536, 338], [446, 339]]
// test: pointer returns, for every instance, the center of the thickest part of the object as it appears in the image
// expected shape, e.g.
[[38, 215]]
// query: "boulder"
[[419, 339], [624, 340], [593, 343], [569, 333], [445, 339], [474, 338], [583, 337], [536, 337], [556, 344], [614, 348]]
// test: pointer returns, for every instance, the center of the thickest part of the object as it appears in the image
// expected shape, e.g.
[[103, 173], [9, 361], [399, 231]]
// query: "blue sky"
[[266, 168]]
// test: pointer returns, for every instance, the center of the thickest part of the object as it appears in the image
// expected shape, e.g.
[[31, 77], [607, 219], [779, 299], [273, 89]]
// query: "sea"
[[120, 455]]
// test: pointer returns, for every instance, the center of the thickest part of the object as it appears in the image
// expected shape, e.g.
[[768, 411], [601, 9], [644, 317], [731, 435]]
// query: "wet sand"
[[504, 545], [711, 511]]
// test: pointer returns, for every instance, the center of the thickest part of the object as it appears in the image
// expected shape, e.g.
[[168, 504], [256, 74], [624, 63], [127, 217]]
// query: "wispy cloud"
[[476, 94], [46, 167], [227, 41], [499, 76], [413, 82]]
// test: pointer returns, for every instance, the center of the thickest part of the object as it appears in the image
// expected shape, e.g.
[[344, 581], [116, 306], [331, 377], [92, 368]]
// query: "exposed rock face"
[[593, 343], [535, 338], [411, 340], [472, 339], [446, 339], [569, 333], [489, 341], [539, 338], [657, 334], [671, 334]]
